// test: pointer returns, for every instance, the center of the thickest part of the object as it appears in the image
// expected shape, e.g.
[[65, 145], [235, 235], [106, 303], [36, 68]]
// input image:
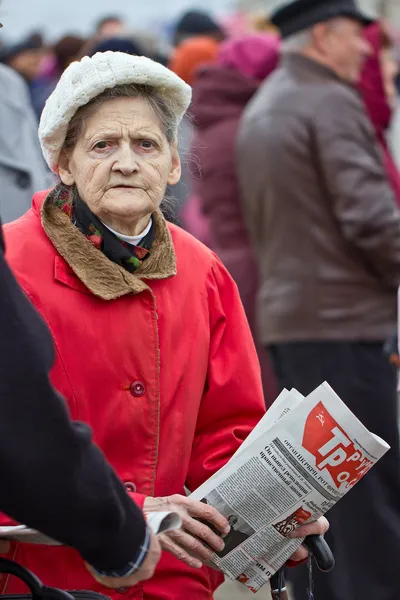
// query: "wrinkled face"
[[122, 162], [345, 47], [390, 70]]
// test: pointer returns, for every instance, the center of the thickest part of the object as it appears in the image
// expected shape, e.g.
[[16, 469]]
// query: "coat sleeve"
[[53, 478], [233, 401], [353, 171]]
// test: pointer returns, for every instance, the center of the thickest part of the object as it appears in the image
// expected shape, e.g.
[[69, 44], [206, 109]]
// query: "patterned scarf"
[[118, 251]]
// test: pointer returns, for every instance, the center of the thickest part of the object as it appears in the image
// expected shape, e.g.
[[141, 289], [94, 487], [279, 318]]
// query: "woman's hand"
[[317, 528], [185, 544]]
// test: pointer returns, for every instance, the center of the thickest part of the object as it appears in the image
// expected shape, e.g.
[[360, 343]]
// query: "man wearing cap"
[[326, 231]]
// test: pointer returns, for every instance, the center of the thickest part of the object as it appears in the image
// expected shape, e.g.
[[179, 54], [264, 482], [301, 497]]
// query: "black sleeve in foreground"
[[53, 478]]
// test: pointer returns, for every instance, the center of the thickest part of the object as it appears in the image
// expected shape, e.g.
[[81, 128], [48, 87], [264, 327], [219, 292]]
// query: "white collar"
[[134, 240]]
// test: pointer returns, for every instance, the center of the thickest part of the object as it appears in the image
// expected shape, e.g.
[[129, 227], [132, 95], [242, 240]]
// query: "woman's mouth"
[[124, 187]]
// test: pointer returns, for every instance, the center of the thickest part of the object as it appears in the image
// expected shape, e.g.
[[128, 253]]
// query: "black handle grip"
[[319, 548], [34, 584]]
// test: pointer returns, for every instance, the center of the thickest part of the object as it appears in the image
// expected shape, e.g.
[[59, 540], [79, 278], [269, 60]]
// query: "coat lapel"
[[94, 270]]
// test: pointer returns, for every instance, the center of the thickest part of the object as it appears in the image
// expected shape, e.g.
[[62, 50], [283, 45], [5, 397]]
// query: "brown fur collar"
[[100, 275]]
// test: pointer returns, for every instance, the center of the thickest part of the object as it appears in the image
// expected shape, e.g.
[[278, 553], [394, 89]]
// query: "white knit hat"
[[84, 80]]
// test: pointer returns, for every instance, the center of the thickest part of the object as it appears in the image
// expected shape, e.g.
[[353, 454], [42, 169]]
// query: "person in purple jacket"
[[220, 94]]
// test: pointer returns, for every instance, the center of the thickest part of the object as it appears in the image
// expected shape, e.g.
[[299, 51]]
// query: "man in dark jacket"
[[52, 476], [326, 231]]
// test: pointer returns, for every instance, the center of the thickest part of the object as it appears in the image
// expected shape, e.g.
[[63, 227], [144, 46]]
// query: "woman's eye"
[[101, 145], [147, 144]]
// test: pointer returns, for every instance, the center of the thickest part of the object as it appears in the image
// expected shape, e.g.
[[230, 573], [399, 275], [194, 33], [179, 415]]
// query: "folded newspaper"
[[159, 522], [302, 457]]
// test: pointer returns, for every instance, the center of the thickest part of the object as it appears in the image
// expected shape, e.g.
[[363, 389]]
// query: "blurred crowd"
[[226, 64], [240, 53]]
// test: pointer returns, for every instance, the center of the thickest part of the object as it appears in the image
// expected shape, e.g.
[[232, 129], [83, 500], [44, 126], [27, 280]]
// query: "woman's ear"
[[64, 168], [175, 170]]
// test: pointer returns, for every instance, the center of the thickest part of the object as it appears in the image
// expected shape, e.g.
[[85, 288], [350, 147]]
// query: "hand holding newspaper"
[[302, 457]]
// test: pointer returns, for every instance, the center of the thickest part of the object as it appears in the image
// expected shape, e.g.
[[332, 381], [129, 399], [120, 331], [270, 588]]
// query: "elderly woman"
[[153, 348]]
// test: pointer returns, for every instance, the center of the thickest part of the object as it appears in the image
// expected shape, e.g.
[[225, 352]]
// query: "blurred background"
[[52, 18]]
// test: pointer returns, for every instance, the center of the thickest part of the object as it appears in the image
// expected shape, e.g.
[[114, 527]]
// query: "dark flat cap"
[[299, 15], [197, 22], [118, 44]]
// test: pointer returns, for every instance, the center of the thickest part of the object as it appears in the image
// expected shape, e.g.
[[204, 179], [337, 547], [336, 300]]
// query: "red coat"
[[168, 379]]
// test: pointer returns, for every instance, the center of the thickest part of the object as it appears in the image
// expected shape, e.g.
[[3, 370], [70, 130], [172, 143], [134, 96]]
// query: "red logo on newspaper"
[[299, 517], [333, 450]]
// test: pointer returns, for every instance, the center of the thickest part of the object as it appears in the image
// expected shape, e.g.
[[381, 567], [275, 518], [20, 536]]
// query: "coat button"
[[137, 388], [130, 487]]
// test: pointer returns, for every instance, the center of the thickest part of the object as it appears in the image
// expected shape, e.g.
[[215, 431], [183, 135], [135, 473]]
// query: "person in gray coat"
[[22, 169]]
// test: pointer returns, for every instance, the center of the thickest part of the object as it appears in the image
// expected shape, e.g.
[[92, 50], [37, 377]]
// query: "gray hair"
[[161, 106], [302, 40], [297, 41]]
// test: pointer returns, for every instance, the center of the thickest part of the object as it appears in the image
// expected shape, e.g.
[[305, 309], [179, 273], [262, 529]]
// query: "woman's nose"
[[126, 161]]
